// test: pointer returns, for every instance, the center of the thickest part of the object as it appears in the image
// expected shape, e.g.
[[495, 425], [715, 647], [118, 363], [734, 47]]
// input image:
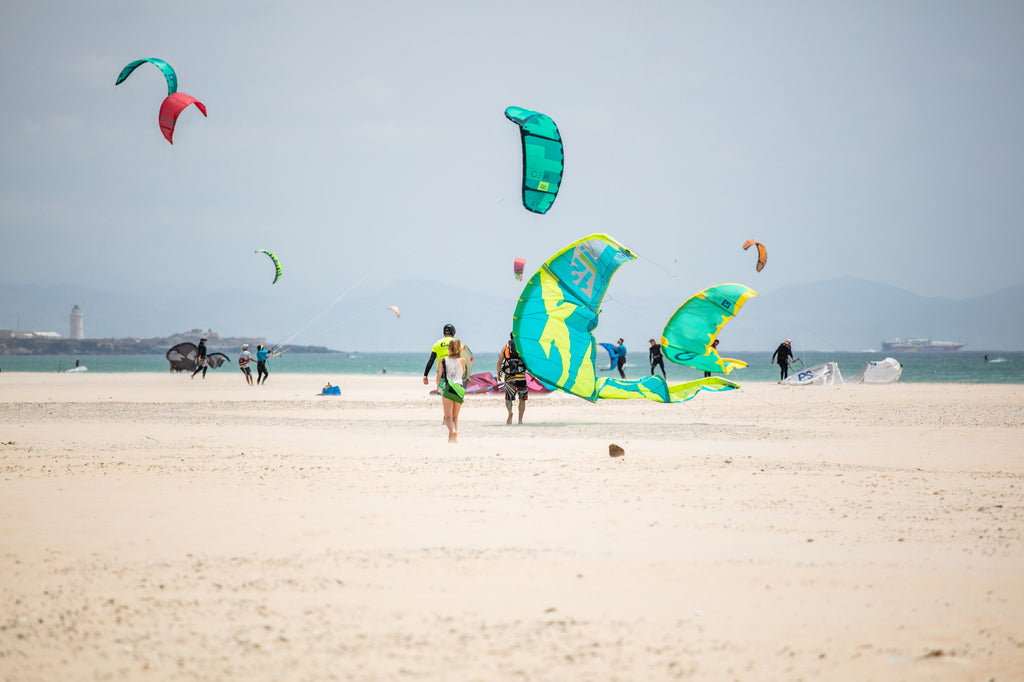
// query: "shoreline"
[[194, 529]]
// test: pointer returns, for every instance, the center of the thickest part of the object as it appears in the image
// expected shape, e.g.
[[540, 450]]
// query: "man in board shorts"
[[243, 363], [514, 370]]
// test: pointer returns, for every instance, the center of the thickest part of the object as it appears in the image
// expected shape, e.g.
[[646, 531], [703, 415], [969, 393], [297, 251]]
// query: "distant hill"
[[840, 314]]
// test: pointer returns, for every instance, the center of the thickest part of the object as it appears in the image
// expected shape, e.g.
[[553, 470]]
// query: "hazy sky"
[[878, 140]]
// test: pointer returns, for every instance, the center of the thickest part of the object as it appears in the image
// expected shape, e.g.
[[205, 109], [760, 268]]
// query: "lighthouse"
[[77, 323]]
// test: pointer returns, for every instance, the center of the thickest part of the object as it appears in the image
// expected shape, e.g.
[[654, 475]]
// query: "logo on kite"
[[517, 268], [543, 158], [394, 309], [762, 254], [171, 108], [169, 75], [277, 264]]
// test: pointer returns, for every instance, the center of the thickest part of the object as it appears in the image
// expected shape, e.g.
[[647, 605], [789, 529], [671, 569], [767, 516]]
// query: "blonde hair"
[[454, 348]]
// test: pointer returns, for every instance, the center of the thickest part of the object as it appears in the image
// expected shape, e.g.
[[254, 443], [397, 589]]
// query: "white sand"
[[153, 527]]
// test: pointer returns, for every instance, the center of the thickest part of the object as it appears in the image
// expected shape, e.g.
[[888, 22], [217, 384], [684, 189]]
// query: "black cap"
[[449, 329]]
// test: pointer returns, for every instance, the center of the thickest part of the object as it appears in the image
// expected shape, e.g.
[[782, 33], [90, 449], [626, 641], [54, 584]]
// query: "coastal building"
[[77, 324]]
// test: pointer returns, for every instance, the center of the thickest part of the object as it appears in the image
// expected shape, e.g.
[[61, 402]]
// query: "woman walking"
[[449, 386]]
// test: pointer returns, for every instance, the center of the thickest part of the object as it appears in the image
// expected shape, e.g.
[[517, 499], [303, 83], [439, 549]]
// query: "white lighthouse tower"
[[77, 323]]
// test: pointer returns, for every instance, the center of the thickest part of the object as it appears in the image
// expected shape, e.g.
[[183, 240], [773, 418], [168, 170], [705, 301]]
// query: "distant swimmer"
[[657, 359], [439, 351], [785, 355]]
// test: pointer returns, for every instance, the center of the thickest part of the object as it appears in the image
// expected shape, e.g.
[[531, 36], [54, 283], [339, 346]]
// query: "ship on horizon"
[[913, 345]]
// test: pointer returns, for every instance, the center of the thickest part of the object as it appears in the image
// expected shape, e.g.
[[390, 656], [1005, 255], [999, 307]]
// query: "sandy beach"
[[154, 527]]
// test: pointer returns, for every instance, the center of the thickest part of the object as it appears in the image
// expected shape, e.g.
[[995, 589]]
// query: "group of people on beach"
[[244, 359], [450, 380]]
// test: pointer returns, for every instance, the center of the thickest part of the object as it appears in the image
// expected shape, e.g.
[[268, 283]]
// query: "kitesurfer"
[[785, 355], [440, 350], [244, 358], [261, 364], [512, 367], [714, 347], [200, 358], [620, 354], [450, 371], [657, 360]]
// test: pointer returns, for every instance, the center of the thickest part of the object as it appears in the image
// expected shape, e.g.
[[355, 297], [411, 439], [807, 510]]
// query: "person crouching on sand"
[[450, 371]]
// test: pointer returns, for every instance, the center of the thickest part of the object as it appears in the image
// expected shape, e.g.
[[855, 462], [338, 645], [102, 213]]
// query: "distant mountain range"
[[840, 314]]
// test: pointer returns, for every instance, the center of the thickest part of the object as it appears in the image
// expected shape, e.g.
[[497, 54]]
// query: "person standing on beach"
[[200, 358], [620, 354], [261, 364], [657, 360], [450, 371], [440, 350], [785, 354], [714, 347], [243, 363], [512, 367]]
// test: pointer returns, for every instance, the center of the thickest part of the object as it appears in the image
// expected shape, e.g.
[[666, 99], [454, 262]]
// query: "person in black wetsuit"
[[656, 358], [785, 354], [200, 359], [440, 349], [620, 354], [714, 346]]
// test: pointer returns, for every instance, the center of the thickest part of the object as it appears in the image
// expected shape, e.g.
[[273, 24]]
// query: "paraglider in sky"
[[171, 108], [762, 254], [394, 309], [517, 268], [559, 309], [695, 325], [542, 158], [277, 264], [172, 78]]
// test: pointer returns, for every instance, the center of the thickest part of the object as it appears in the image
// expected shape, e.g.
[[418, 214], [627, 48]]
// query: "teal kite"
[[559, 309], [694, 326], [172, 78], [277, 263], [542, 158]]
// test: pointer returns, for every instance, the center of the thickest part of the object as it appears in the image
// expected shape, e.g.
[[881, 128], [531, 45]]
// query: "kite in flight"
[[762, 253], [695, 325], [559, 309], [542, 158], [517, 268], [394, 309], [172, 78], [277, 264], [171, 108]]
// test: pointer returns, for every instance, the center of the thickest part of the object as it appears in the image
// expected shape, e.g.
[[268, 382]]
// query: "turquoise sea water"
[[956, 367]]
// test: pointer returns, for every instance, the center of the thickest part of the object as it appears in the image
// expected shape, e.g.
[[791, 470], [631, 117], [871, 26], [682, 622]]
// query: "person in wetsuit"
[[261, 364], [656, 358], [785, 355], [714, 346], [439, 351], [620, 354], [200, 359]]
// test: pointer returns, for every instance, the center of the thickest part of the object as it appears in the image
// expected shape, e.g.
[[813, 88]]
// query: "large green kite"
[[542, 158]]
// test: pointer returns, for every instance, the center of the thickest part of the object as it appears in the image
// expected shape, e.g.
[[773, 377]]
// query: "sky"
[[365, 144]]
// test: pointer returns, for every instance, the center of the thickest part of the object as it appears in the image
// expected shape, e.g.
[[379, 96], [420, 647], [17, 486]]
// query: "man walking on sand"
[[512, 367]]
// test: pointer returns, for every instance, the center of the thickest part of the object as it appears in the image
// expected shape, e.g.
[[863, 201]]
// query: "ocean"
[[969, 367]]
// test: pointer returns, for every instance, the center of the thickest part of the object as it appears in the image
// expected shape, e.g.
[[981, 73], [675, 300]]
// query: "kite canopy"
[[762, 253], [542, 158], [172, 78], [277, 264], [171, 108], [559, 309], [610, 347], [395, 310], [693, 327], [517, 268], [183, 357]]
